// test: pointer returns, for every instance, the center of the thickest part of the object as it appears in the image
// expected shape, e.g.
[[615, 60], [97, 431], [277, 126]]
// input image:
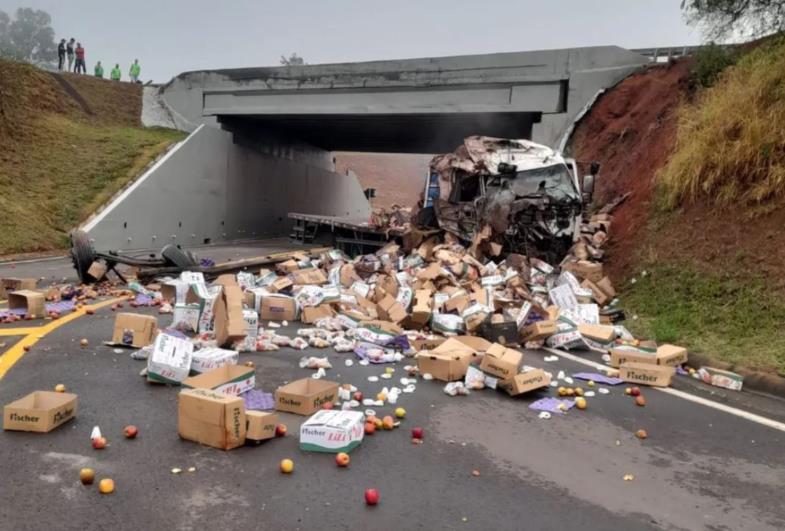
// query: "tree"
[[721, 19], [29, 37], [292, 60]]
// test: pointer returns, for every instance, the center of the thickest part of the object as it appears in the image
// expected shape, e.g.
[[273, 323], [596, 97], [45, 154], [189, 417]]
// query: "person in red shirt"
[[80, 64]]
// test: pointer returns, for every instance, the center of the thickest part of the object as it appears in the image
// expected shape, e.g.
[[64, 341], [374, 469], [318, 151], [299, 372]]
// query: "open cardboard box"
[[8, 285], [501, 362], [211, 418], [229, 379], [135, 330], [32, 301], [260, 425], [526, 381], [40, 411], [229, 322], [646, 374], [305, 396]]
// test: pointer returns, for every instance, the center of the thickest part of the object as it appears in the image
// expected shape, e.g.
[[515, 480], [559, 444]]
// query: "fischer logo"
[[641, 376], [23, 418], [497, 368], [236, 421], [323, 400], [289, 401], [62, 416]]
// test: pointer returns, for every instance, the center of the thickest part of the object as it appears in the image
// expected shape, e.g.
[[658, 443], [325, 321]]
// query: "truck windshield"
[[553, 180]]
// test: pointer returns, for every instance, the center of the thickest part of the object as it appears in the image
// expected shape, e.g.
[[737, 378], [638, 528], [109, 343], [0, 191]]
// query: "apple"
[[99, 443], [280, 430], [89, 311], [130, 432], [628, 391], [640, 400], [388, 423], [60, 388], [327, 405], [641, 434], [417, 433], [580, 402], [83, 342], [400, 412], [287, 465], [357, 396], [635, 391], [370, 428], [378, 423], [371, 496], [87, 476], [106, 486], [342, 459]]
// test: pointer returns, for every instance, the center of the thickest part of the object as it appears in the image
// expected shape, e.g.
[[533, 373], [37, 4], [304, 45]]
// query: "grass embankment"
[[60, 158], [721, 296]]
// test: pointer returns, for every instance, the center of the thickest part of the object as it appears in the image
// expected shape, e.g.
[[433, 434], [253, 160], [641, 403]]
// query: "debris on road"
[[719, 378]]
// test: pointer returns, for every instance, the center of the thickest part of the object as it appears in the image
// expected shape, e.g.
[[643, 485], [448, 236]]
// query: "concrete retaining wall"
[[211, 189]]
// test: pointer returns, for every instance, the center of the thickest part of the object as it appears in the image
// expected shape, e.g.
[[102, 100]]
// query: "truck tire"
[[177, 257], [82, 255]]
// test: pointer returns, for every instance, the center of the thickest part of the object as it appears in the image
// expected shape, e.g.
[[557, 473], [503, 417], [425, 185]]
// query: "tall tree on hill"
[[292, 60], [722, 19], [29, 37]]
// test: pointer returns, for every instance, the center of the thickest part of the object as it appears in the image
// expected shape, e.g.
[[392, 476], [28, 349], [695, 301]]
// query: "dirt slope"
[[67, 143]]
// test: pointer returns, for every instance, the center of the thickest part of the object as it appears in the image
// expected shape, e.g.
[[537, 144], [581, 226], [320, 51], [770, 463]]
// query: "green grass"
[[55, 180], [737, 320]]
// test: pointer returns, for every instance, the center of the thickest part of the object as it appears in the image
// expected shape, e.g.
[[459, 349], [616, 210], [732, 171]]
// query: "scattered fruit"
[[378, 423], [417, 433], [87, 476], [130, 432], [26, 348], [287, 465], [590, 383], [635, 391], [388, 423], [83, 342], [640, 401], [400, 412], [89, 311], [628, 477], [641, 434], [370, 428], [381, 396], [342, 459], [371, 496], [106, 486], [562, 391], [628, 391], [578, 391], [176, 470], [250, 364], [280, 430], [580, 402], [570, 391], [327, 405], [476, 473], [357, 396], [99, 443], [60, 388]]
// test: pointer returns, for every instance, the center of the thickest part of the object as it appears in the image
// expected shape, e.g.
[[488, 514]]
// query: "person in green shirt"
[[99, 70], [136, 69], [116, 72]]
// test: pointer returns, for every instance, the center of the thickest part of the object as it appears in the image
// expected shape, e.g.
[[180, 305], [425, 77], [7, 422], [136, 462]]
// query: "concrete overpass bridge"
[[262, 138]]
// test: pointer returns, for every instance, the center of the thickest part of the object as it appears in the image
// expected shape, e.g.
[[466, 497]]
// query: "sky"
[[173, 36]]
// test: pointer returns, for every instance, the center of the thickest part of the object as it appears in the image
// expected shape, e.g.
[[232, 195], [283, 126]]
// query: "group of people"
[[75, 54]]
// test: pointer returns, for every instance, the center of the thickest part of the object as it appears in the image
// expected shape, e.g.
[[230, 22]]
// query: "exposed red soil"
[[397, 178], [631, 131]]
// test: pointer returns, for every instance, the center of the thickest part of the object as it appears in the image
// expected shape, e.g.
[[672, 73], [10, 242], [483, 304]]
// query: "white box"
[[333, 431], [251, 319], [170, 360], [211, 358]]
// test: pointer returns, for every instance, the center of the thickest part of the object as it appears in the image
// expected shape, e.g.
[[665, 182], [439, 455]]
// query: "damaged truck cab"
[[529, 196]]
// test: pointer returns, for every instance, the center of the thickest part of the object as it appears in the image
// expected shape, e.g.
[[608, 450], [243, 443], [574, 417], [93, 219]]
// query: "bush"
[[710, 61]]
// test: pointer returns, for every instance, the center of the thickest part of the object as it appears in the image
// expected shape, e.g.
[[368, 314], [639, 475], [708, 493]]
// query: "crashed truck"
[[524, 196]]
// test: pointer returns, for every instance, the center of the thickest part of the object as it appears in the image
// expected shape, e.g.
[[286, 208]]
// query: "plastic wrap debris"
[[552, 405], [597, 377], [456, 389], [315, 363]]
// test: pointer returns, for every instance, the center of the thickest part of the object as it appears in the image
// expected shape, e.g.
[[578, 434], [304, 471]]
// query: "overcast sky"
[[173, 36]]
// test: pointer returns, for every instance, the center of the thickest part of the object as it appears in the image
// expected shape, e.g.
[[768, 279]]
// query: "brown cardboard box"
[[605, 285], [432, 272], [228, 311], [390, 309], [526, 381], [427, 344], [585, 270], [445, 366], [601, 333], [599, 296], [389, 284], [277, 308], [311, 314], [40, 411], [134, 329], [260, 425], [14, 284], [457, 303], [475, 342], [305, 396], [227, 279], [671, 355], [620, 356], [229, 380], [280, 284], [501, 362], [422, 309], [310, 276], [211, 418], [289, 266], [97, 270], [348, 275], [538, 331], [32, 301], [643, 373]]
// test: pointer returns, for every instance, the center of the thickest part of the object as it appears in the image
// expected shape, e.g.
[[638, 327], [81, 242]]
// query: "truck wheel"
[[82, 255], [177, 257]]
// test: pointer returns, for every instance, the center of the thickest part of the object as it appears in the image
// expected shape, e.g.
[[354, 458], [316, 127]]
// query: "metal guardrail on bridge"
[[666, 53]]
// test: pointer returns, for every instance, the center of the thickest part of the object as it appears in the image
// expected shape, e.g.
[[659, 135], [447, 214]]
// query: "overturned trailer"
[[524, 196]]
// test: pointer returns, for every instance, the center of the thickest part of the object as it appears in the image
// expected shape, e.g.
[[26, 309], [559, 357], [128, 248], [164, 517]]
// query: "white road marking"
[[681, 394]]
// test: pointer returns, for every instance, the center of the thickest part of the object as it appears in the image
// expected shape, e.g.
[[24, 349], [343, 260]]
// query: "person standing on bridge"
[[80, 64], [99, 70], [69, 48], [135, 71], [116, 73], [61, 55]]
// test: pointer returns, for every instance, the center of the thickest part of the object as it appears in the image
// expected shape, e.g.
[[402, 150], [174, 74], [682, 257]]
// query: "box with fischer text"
[[332, 430]]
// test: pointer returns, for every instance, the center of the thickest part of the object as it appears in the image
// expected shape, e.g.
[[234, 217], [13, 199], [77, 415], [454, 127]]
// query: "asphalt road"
[[699, 468]]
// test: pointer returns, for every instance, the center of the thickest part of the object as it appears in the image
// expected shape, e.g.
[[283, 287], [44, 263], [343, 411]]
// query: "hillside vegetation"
[[66, 146]]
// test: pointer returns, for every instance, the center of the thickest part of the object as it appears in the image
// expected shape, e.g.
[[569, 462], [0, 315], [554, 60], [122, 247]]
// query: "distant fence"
[[666, 53]]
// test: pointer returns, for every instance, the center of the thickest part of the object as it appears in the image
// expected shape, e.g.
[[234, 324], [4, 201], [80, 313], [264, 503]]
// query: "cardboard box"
[[210, 358], [229, 380], [599, 295], [185, 317], [719, 378], [40, 411], [32, 301], [134, 329], [312, 314], [288, 266], [277, 308], [348, 275], [305, 396], [311, 276], [229, 323], [280, 284], [13, 284], [170, 360], [601, 333], [332, 431], [501, 362], [605, 285], [504, 332], [251, 320], [389, 309], [422, 309], [646, 374], [621, 355], [526, 381], [671, 355], [476, 343], [260, 425], [210, 418], [447, 362], [539, 330], [426, 344], [97, 270], [585, 270]]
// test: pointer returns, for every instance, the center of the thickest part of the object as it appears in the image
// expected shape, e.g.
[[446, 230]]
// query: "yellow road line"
[[20, 331], [15, 353]]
